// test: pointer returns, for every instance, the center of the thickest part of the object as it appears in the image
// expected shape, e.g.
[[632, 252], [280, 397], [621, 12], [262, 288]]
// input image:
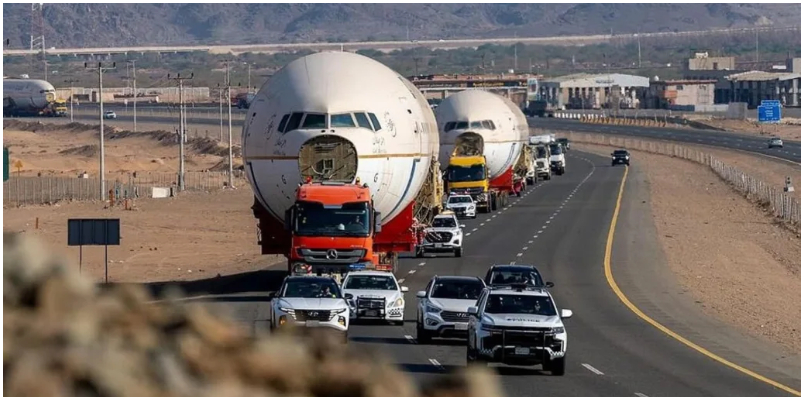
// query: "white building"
[[593, 91]]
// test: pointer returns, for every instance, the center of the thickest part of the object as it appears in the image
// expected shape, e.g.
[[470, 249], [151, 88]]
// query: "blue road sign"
[[769, 112], [771, 102]]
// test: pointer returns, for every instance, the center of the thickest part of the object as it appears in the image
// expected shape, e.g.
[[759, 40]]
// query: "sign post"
[[93, 232]]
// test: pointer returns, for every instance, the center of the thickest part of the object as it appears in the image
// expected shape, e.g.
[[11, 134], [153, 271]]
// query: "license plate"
[[439, 245], [462, 326], [521, 351], [372, 313], [312, 324]]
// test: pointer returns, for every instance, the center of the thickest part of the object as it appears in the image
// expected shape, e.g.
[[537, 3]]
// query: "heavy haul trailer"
[[483, 140], [345, 177]]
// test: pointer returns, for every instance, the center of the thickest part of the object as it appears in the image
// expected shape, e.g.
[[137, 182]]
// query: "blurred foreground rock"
[[65, 337]]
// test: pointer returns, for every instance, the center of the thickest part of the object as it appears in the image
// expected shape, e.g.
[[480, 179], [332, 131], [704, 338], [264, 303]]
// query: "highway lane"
[[791, 151], [560, 226]]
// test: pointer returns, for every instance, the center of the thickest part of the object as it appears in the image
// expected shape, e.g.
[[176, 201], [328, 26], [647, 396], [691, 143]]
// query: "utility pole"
[[229, 103], [134, 80], [220, 109], [639, 52], [182, 127], [756, 41], [249, 78], [72, 95], [100, 69]]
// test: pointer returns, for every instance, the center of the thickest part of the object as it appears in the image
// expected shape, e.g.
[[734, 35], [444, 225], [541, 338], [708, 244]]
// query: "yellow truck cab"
[[469, 175]]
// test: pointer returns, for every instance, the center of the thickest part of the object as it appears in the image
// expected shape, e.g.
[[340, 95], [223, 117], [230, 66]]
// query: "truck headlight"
[[398, 303], [433, 309], [556, 331]]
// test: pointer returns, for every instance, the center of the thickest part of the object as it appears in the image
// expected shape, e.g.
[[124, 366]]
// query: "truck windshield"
[[520, 304], [472, 173], [541, 152], [555, 149], [315, 219]]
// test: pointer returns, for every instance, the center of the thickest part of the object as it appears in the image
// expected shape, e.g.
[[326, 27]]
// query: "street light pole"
[[220, 109], [101, 68], [134, 79], [229, 103], [182, 127]]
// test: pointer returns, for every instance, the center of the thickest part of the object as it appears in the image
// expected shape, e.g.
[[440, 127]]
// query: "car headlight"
[[613, 158], [338, 311], [556, 331], [287, 310], [398, 303], [627, 157], [433, 309], [488, 328]]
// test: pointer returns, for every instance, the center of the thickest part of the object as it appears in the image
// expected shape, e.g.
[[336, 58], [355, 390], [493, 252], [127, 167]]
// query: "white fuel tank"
[[338, 116], [483, 122]]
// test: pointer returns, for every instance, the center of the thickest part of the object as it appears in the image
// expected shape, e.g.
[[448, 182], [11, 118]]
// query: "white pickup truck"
[[558, 161]]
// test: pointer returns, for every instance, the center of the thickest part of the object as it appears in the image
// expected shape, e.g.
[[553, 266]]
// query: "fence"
[[776, 201], [50, 189]]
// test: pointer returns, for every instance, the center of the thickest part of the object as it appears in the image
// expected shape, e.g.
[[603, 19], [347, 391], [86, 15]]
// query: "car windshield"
[[370, 282], [316, 219], [555, 149], [516, 276], [459, 199], [457, 289], [520, 304], [541, 152], [620, 153], [312, 289], [472, 173], [444, 223]]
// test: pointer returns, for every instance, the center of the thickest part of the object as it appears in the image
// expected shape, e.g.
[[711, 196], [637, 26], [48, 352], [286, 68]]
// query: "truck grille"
[[521, 337], [453, 316], [438, 237], [313, 315], [342, 256], [540, 164], [371, 303]]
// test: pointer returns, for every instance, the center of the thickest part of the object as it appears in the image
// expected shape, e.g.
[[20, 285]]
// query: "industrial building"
[[754, 86], [593, 91], [682, 94]]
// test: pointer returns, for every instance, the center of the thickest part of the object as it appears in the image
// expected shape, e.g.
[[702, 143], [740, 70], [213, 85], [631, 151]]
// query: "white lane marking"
[[401, 280], [494, 216], [410, 338], [640, 394], [473, 230], [422, 263], [469, 234], [487, 220], [530, 241], [519, 254], [535, 236], [525, 248], [593, 369], [413, 271], [436, 363], [540, 231], [551, 217], [548, 221], [482, 223], [543, 227]]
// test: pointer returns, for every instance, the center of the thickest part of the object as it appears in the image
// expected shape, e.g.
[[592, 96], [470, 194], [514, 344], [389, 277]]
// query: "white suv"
[[375, 295], [310, 301], [445, 235], [462, 205], [443, 304], [518, 325]]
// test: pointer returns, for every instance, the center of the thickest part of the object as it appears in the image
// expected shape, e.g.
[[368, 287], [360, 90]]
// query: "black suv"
[[507, 275], [620, 157]]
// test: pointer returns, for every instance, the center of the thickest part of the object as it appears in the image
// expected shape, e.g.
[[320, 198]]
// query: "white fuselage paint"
[[502, 146], [28, 93], [393, 161]]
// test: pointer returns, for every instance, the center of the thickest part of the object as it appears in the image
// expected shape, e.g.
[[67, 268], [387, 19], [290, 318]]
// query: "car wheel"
[[547, 178], [557, 366], [471, 357], [459, 252], [628, 163], [474, 216]]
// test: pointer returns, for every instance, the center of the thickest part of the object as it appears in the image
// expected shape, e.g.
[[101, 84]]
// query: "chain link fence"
[[776, 201], [30, 190]]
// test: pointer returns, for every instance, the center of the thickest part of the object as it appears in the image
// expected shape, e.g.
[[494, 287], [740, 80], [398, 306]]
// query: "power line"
[[100, 69], [182, 126]]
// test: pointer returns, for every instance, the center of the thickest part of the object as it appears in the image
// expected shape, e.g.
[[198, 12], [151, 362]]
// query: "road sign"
[[5, 164], [93, 232], [769, 112]]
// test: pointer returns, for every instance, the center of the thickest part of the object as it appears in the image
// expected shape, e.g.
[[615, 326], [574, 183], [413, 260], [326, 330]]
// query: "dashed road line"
[[436, 363], [640, 394], [413, 271], [410, 338], [401, 280], [519, 254], [593, 369], [422, 263]]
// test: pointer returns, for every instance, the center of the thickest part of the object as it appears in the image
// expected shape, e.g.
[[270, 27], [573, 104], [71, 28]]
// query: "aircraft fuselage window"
[[294, 121], [341, 121], [362, 120], [375, 122], [283, 123], [313, 121]]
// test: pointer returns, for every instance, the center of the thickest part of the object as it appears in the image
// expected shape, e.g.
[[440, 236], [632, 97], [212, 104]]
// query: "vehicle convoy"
[[620, 157], [484, 148], [344, 178], [517, 325], [558, 161], [312, 302], [28, 98], [443, 304], [375, 295], [446, 235], [541, 158], [462, 205]]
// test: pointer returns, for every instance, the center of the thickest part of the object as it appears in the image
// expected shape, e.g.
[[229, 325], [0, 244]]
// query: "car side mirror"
[[472, 311], [403, 289], [348, 296], [377, 222], [549, 284], [566, 314], [421, 294]]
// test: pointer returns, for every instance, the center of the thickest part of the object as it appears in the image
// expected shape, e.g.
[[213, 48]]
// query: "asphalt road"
[[562, 226]]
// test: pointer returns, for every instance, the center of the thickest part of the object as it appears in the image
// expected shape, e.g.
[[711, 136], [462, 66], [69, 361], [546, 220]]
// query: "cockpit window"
[[461, 125], [449, 126], [362, 120], [476, 124], [315, 121], [283, 123], [487, 124], [294, 121], [375, 122], [341, 121]]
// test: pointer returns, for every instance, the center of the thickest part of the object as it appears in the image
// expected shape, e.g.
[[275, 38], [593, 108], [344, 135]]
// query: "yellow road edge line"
[[649, 320]]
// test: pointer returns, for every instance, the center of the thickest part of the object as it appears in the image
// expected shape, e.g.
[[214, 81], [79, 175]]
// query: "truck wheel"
[[557, 366], [459, 252], [493, 203], [530, 181], [419, 252]]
